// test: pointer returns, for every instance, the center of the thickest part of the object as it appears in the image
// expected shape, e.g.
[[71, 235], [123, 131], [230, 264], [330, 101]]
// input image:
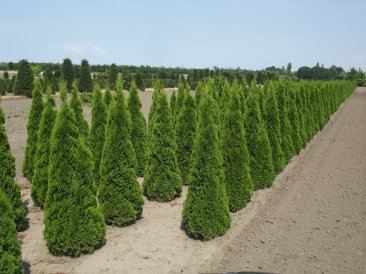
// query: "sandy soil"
[[311, 221]]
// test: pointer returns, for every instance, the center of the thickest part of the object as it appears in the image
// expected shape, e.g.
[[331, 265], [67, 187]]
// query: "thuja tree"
[[113, 75], [199, 94], [223, 97], [294, 119], [154, 105], [185, 133], [271, 117], [205, 211], [301, 113], [107, 97], [68, 73], [73, 224], [180, 98], [285, 124], [10, 254], [24, 81], [40, 177], [120, 197], [173, 104], [238, 182], [7, 172], [138, 129], [85, 82], [97, 131], [7, 161], [162, 180], [32, 131], [309, 122], [75, 104], [260, 155]]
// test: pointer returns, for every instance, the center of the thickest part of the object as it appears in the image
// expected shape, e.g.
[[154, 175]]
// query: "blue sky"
[[187, 33]]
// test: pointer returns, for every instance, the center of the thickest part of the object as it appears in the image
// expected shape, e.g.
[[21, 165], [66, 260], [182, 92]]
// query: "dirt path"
[[314, 218]]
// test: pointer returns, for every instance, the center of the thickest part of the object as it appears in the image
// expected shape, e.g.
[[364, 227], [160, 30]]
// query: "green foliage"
[[294, 120], [285, 124], [199, 94], [10, 254], [73, 224], [185, 133], [86, 98], [301, 114], [75, 104], [260, 155], [162, 180], [120, 196], [138, 130], [173, 104], [113, 75], [7, 161], [154, 105], [107, 97], [239, 185], [55, 84], [40, 177], [85, 82], [7, 172], [24, 81], [32, 130], [271, 117], [97, 131], [180, 98], [205, 211], [12, 192], [68, 73]]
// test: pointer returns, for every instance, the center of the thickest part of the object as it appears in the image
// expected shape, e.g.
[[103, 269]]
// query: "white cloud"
[[84, 48]]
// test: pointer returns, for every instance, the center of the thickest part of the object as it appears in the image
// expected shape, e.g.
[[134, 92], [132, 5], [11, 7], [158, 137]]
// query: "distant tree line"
[[86, 76]]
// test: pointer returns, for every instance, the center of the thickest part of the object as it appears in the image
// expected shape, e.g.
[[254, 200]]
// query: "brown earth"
[[311, 221]]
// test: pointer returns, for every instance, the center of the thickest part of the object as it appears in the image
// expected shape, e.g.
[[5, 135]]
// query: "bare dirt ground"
[[311, 221]]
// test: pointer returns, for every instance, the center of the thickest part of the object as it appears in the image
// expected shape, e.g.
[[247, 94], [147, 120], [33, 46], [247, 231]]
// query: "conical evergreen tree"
[[223, 98], [85, 82], [97, 131], [73, 224], [260, 155], [68, 73], [287, 144], [138, 129], [301, 114], [173, 105], [162, 180], [206, 211], [272, 120], [7, 184], [107, 97], [239, 185], [180, 98], [199, 94], [157, 90], [75, 104], [294, 120], [10, 254], [32, 131], [185, 133], [120, 196], [40, 177], [24, 81], [7, 161]]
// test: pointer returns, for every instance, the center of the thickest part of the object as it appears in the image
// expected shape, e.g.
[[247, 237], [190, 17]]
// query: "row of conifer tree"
[[224, 143]]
